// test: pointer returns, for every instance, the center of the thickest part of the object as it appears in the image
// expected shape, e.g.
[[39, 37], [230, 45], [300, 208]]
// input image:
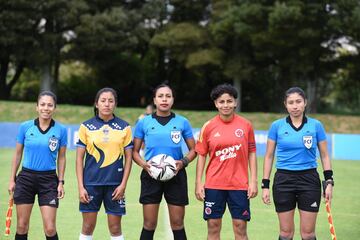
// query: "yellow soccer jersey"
[[105, 144]]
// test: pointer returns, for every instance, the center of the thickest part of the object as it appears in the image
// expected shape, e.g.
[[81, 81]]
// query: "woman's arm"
[[326, 164], [253, 189], [199, 186], [136, 155], [15, 163], [83, 196], [61, 170], [190, 143], [268, 162]]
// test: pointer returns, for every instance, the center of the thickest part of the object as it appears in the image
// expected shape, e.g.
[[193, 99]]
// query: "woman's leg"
[[307, 225], [150, 212], [49, 221], [286, 221], [114, 223], [23, 212], [177, 214], [89, 223], [239, 227], [214, 228]]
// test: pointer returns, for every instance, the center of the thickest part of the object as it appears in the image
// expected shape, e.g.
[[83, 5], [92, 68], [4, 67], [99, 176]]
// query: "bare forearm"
[[253, 166], [200, 165], [61, 163], [127, 167]]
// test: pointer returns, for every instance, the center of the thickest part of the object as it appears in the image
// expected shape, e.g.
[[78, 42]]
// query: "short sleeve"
[[128, 138], [20, 138], [251, 139], [139, 129], [272, 134], [320, 132], [187, 133], [82, 142], [202, 146], [63, 137]]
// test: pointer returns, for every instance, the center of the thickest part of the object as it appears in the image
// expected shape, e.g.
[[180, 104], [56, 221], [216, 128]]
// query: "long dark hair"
[[47, 93], [97, 96], [292, 90], [161, 86]]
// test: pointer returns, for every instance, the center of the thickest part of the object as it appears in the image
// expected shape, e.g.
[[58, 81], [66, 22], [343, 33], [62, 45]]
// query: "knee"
[[115, 229], [50, 230], [150, 224], [88, 228], [22, 227], [214, 226], [177, 223], [240, 229], [286, 234]]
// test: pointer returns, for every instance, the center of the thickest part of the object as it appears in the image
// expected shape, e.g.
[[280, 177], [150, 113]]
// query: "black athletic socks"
[[55, 237], [147, 234], [21, 236], [179, 234]]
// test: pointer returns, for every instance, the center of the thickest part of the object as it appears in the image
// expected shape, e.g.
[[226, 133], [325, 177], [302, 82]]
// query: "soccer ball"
[[163, 167]]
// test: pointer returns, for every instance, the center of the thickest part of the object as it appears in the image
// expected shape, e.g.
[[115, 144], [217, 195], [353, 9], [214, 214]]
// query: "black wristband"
[[265, 183], [328, 174], [62, 182], [185, 161]]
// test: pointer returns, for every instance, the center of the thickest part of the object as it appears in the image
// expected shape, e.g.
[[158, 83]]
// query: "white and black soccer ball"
[[163, 167]]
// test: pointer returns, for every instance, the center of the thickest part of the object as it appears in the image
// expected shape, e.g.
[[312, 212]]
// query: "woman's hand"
[[119, 193], [266, 196], [200, 191], [83, 195], [61, 191], [11, 187]]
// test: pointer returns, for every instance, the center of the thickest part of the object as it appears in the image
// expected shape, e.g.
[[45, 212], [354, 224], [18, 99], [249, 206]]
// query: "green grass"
[[68, 114], [264, 224]]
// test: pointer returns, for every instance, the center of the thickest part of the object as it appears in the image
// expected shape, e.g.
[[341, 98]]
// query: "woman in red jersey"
[[229, 141]]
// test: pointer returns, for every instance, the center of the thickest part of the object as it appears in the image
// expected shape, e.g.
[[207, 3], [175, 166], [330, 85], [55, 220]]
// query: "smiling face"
[[295, 105], [163, 100], [226, 105], [45, 107], [106, 105]]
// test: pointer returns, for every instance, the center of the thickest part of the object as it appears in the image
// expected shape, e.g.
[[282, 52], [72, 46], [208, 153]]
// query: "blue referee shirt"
[[165, 139], [41, 147], [296, 147]]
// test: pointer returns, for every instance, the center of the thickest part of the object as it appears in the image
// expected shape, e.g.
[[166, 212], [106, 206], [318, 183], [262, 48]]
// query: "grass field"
[[70, 114], [263, 226]]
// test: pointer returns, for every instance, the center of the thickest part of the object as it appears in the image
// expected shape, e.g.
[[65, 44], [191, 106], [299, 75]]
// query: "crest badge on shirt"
[[53, 143], [176, 136], [239, 133], [308, 141]]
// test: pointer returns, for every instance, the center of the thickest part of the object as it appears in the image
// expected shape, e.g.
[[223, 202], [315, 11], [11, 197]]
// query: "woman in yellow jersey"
[[105, 141]]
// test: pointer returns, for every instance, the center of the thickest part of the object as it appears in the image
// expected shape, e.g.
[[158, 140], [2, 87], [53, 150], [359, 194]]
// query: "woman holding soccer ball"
[[162, 133], [105, 142], [296, 182], [40, 142]]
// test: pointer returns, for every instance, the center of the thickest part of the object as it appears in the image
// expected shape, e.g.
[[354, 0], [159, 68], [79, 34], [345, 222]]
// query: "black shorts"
[[175, 190], [297, 187], [44, 184]]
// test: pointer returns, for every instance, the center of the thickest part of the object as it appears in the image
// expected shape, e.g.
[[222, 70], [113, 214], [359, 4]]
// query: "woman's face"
[[225, 104], [45, 107], [106, 104], [295, 104], [164, 99]]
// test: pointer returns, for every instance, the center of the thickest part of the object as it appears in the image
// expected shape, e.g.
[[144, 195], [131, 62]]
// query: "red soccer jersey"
[[228, 145]]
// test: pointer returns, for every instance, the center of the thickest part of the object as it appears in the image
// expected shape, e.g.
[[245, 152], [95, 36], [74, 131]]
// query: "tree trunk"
[[4, 67], [237, 85], [47, 79], [311, 96]]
